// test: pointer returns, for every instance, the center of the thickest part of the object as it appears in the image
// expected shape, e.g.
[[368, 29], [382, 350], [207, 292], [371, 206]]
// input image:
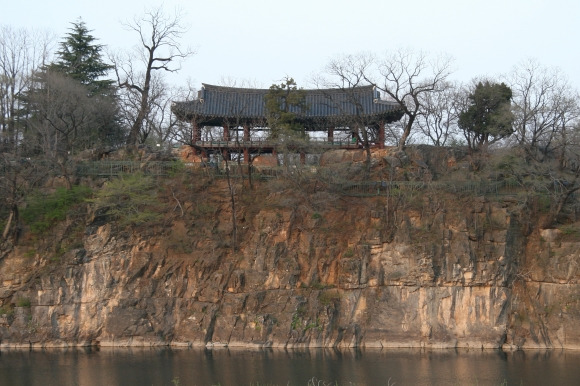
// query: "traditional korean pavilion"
[[327, 110]]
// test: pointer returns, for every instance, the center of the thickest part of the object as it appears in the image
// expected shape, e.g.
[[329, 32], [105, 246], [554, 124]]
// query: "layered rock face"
[[444, 271]]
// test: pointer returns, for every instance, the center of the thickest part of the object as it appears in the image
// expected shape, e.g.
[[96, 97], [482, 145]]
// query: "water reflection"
[[144, 366]]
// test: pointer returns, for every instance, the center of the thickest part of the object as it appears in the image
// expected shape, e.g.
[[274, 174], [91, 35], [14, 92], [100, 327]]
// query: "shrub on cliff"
[[42, 210], [130, 199]]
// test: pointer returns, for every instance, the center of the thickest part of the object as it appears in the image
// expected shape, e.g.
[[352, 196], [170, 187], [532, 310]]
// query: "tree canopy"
[[69, 106], [282, 102], [487, 116]]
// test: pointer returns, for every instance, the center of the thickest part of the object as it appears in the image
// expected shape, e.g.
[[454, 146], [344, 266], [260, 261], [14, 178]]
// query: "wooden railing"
[[265, 143]]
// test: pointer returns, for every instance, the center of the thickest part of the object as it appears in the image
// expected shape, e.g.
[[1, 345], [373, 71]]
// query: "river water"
[[184, 367]]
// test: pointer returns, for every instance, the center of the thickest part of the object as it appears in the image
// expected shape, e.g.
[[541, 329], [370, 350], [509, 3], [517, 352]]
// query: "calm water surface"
[[292, 367]]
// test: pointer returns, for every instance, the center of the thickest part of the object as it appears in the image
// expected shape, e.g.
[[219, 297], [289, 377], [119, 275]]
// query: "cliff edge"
[[409, 256]]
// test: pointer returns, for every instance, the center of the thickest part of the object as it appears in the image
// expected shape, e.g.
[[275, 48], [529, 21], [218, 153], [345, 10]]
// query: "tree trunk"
[[7, 226], [136, 127], [232, 191], [143, 106], [12, 218], [406, 133], [560, 202]]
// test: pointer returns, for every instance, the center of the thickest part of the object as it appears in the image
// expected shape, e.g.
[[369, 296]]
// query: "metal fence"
[[397, 188], [116, 168]]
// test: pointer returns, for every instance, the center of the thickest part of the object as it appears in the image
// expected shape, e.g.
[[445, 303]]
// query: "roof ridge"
[[307, 90]]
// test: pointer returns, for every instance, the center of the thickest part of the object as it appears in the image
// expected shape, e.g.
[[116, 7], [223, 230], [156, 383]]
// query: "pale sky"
[[262, 41]]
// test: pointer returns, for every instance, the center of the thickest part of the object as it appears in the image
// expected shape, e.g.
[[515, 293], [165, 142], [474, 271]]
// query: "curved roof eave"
[[247, 104]]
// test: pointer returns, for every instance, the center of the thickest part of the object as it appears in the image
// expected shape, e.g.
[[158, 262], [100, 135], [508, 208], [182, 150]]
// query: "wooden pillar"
[[275, 155], [246, 144], [381, 135], [302, 158], [226, 133], [195, 136], [226, 138], [331, 135]]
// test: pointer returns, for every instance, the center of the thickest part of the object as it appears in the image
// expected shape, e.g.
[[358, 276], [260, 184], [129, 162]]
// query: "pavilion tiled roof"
[[218, 105]]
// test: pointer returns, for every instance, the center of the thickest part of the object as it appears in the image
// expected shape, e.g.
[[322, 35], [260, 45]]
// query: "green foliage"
[[348, 253], [296, 321], [317, 285], [570, 232], [6, 310], [44, 211], [130, 199], [30, 253], [23, 302], [283, 104], [177, 168], [544, 202], [90, 114], [298, 316], [488, 116], [329, 297], [316, 324]]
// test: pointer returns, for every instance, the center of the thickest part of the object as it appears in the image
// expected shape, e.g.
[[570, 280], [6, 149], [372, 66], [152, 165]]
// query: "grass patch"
[[23, 302], [329, 297], [570, 232], [6, 310]]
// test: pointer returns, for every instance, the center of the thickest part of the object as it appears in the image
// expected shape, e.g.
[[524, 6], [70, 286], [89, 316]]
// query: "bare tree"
[[347, 73], [64, 118], [568, 143], [438, 120], [165, 127], [158, 125], [21, 53], [544, 106], [407, 77], [158, 50]]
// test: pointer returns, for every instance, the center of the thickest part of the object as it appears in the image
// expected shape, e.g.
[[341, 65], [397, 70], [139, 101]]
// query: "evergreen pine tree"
[[283, 103], [80, 64], [488, 116], [81, 59]]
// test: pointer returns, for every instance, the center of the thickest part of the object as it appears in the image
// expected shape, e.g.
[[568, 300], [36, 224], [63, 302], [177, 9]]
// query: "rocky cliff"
[[308, 266]]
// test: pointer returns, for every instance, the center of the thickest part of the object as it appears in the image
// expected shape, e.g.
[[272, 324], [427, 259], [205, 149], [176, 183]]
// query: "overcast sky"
[[262, 41]]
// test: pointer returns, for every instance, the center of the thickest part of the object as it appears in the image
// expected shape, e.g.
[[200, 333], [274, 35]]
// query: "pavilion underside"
[[241, 113]]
